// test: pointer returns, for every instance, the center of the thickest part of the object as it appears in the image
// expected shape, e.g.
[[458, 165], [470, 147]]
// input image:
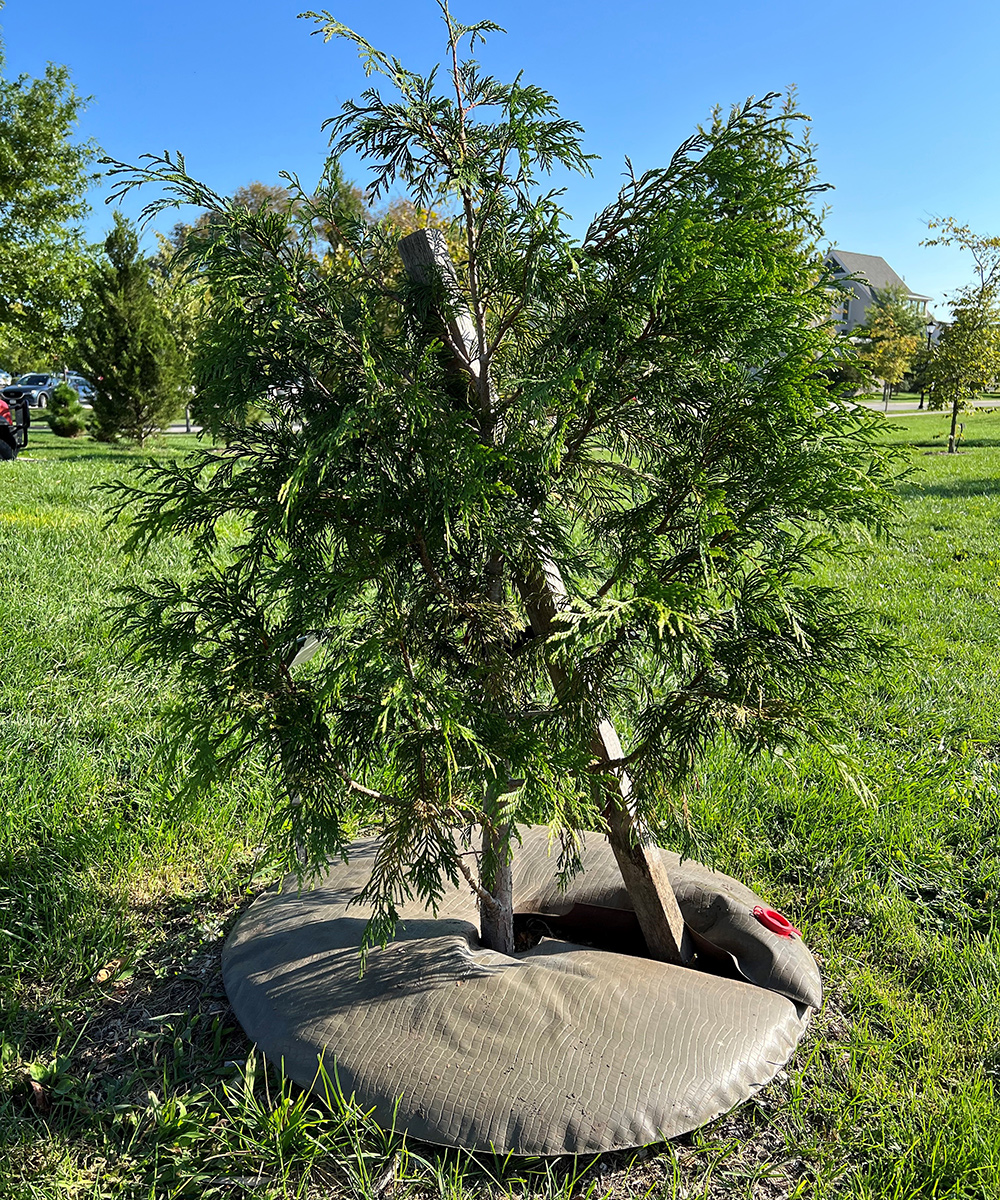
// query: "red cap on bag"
[[775, 922]]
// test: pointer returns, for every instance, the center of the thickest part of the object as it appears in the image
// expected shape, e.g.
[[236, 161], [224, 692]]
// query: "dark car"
[[36, 389]]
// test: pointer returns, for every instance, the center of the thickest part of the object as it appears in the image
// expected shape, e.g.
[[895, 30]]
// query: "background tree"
[[125, 345], [918, 378], [254, 196], [893, 300], [886, 347], [597, 498], [335, 202], [966, 359], [279, 199], [315, 228], [44, 178]]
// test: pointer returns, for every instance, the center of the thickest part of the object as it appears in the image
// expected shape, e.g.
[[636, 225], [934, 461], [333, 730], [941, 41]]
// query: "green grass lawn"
[[123, 1074]]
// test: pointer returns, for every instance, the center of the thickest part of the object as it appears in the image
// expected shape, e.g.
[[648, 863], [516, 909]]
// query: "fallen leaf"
[[108, 971], [40, 1097]]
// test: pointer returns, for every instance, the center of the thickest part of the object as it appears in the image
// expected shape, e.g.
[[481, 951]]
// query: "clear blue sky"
[[905, 97]]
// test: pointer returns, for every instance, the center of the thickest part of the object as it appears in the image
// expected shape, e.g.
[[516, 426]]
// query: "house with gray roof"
[[871, 274]]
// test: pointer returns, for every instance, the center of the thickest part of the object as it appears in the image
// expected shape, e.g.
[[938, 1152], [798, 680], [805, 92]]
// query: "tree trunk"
[[496, 918], [425, 253], [952, 448]]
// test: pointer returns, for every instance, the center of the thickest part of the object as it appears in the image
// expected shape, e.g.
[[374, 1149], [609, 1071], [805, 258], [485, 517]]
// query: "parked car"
[[5, 378], [36, 389], [82, 386]]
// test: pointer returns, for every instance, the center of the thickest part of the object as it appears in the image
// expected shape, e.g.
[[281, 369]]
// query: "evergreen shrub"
[[65, 413]]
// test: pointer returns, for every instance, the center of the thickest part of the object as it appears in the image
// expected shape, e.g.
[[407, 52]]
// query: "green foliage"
[[646, 409], [62, 395], [918, 378], [65, 413], [984, 248], [255, 196], [43, 182], [892, 301], [182, 299], [277, 198], [966, 359], [125, 344], [885, 347]]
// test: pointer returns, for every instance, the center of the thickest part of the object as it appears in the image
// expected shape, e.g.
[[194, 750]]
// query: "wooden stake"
[[425, 256]]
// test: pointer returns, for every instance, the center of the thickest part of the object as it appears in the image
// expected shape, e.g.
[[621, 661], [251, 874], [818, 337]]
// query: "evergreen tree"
[[125, 345], [569, 483]]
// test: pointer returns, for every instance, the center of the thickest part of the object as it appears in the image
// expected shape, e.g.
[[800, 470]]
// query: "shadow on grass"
[[161, 1021], [50, 454], [940, 443], [951, 489], [967, 443]]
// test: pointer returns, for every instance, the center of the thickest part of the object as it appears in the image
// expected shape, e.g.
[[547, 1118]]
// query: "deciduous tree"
[[182, 299], [281, 199], [894, 301], [887, 344], [44, 177], [966, 359]]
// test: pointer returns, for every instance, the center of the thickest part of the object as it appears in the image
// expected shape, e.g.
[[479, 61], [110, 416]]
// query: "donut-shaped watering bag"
[[565, 1047]]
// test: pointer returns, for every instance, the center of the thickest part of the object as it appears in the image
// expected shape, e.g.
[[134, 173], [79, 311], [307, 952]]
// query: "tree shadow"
[[969, 442], [950, 489], [105, 456], [107, 1036]]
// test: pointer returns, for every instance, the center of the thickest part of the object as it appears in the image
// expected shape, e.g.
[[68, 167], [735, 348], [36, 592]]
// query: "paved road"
[[898, 407]]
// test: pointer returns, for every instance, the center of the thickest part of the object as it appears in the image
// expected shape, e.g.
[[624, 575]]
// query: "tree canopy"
[[44, 177], [889, 340], [640, 415], [893, 301], [966, 359]]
